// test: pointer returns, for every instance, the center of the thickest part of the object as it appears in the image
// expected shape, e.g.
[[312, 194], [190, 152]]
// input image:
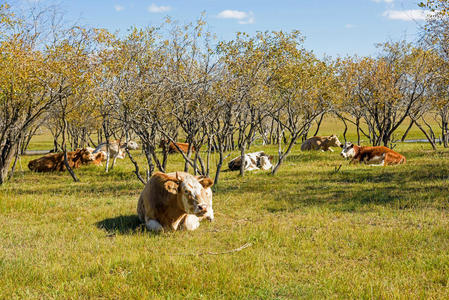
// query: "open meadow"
[[361, 232]]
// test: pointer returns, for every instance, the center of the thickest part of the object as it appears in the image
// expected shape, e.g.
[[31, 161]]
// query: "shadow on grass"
[[122, 224], [355, 188]]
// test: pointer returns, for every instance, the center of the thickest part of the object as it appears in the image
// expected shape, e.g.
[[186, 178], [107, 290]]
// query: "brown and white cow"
[[55, 161], [378, 155], [116, 150], [321, 143], [175, 200], [253, 161], [172, 148]]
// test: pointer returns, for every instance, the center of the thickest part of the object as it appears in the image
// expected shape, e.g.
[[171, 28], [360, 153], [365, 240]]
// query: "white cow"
[[253, 161], [116, 150]]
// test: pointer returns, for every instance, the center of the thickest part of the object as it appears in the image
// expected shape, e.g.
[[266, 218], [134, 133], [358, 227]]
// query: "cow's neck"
[[356, 149], [180, 204]]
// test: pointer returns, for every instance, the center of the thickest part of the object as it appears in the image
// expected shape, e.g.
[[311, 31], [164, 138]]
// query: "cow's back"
[[47, 163], [391, 157], [312, 143], [235, 164], [158, 200]]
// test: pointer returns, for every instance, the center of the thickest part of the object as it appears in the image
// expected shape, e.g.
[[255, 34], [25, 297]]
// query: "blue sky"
[[332, 27]]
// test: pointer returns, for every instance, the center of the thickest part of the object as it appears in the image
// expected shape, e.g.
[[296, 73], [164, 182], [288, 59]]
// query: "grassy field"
[[363, 232]]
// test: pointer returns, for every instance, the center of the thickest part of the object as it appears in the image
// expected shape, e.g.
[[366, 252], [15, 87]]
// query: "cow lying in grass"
[[172, 148], [253, 161], [321, 143], [55, 161], [378, 155], [175, 200]]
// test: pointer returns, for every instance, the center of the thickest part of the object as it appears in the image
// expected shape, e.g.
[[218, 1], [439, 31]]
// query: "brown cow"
[[177, 200], [378, 155], [321, 143], [55, 161], [172, 148]]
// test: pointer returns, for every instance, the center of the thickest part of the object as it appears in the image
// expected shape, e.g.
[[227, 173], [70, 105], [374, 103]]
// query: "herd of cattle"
[[181, 200], [55, 161]]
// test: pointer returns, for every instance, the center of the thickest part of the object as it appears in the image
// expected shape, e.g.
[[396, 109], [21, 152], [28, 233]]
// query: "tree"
[[247, 60], [24, 83], [302, 89]]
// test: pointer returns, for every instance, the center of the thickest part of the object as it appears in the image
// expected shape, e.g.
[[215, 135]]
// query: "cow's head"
[[334, 142], [90, 149], [348, 151], [265, 162], [98, 158], [195, 194], [84, 155], [131, 145]]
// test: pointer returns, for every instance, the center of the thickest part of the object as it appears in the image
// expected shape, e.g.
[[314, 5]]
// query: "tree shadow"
[[122, 224], [355, 188]]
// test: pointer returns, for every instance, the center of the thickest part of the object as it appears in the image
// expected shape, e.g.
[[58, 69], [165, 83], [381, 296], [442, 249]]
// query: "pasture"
[[361, 232]]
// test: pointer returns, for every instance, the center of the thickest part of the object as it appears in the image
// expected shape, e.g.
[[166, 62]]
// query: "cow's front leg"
[[113, 162], [191, 222], [251, 168], [154, 225]]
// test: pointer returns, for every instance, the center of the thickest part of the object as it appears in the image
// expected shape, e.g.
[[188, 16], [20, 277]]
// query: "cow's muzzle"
[[202, 208]]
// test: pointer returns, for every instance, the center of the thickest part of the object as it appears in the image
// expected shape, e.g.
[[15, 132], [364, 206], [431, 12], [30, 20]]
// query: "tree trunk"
[[136, 166], [406, 131], [284, 155], [220, 162], [431, 142], [242, 160], [318, 125], [64, 149], [6, 157], [357, 124], [445, 133], [16, 157], [150, 169]]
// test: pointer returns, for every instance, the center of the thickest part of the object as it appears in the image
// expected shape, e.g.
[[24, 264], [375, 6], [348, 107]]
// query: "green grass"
[[363, 232]]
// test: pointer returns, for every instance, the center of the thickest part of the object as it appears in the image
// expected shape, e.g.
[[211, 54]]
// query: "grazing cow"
[[172, 148], [55, 161], [116, 150], [378, 155], [253, 161], [322, 143], [175, 200]]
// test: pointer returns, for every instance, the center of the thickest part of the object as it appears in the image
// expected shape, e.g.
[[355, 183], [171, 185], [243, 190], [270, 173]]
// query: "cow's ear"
[[168, 177], [206, 182], [171, 187]]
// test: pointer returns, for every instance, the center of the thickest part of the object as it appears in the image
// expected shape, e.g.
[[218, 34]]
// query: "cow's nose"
[[202, 208]]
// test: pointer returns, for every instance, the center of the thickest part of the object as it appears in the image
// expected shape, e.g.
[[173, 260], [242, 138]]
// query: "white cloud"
[[349, 26], [407, 15], [241, 16], [386, 1], [153, 8], [118, 7]]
